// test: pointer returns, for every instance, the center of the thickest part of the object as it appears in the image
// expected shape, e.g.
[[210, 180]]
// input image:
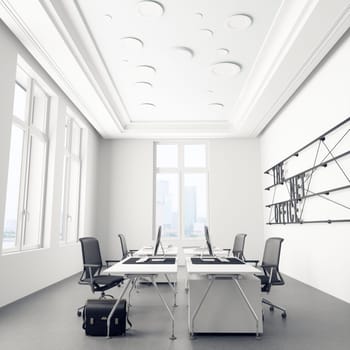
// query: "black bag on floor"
[[95, 316]]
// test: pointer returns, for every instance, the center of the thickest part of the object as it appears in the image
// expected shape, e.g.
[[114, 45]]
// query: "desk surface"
[[220, 269], [139, 268], [198, 251]]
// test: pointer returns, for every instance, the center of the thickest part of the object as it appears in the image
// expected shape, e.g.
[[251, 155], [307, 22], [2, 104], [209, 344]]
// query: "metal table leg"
[[248, 304], [200, 305], [172, 337], [116, 305], [172, 287]]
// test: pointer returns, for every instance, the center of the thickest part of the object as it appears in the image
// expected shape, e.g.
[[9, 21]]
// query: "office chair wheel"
[[284, 315], [79, 313], [271, 308]]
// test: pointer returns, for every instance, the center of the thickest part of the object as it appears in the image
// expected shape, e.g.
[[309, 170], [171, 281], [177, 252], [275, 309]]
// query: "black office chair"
[[91, 274], [238, 246], [270, 267], [125, 251]]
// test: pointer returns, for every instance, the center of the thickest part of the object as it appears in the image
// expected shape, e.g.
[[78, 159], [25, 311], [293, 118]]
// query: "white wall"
[[313, 253], [26, 272], [125, 202]]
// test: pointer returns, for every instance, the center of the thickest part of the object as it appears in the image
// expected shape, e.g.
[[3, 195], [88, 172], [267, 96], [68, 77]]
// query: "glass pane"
[[35, 193], [195, 156], [195, 204], [19, 102], [167, 156], [167, 204], [75, 132], [13, 189], [73, 201], [39, 109], [63, 216]]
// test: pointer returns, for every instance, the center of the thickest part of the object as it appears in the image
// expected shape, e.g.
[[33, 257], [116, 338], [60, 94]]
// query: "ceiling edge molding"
[[315, 58], [29, 40], [252, 119], [84, 65]]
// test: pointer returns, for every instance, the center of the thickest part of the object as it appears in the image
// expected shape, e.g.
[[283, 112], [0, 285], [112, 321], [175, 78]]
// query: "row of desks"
[[222, 296]]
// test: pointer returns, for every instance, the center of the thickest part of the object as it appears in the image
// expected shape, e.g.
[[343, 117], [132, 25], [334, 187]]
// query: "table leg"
[[200, 305], [172, 287], [116, 305], [172, 337], [249, 306]]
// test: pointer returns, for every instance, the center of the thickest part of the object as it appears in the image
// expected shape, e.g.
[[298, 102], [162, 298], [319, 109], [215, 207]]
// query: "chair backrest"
[[271, 259], [123, 245], [90, 249], [238, 246]]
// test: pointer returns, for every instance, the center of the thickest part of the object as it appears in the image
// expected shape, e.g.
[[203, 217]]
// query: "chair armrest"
[[111, 262], [253, 261]]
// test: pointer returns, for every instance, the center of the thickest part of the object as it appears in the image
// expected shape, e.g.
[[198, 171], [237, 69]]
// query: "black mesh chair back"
[[270, 262], [238, 246], [123, 246], [91, 255]]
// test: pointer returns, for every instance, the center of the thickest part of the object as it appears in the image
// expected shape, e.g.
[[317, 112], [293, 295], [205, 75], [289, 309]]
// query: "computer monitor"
[[207, 238], [157, 243]]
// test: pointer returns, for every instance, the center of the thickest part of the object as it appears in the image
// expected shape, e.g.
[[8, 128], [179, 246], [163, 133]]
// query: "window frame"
[[69, 156], [181, 170], [30, 131]]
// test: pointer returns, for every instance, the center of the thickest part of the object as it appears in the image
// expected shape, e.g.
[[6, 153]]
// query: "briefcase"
[[95, 316]]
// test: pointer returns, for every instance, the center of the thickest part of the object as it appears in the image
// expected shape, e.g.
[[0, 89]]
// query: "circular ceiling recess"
[[226, 68], [131, 43], [199, 15], [206, 33], [149, 8], [183, 52], [146, 72], [222, 51], [108, 17], [239, 22], [147, 106], [144, 85], [215, 107]]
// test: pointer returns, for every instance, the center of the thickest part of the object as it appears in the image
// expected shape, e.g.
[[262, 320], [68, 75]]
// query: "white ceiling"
[[178, 68]]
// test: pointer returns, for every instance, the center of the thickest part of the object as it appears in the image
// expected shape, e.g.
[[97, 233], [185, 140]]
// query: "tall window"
[[72, 182], [26, 184], [181, 194]]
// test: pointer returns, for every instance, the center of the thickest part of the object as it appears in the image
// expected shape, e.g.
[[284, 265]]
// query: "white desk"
[[138, 270], [234, 304], [191, 251]]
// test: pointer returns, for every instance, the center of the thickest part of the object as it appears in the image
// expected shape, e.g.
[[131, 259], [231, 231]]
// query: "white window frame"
[[29, 131], [69, 156], [181, 170]]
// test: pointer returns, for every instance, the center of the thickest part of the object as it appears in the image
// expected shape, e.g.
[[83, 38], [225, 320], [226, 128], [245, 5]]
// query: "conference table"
[[134, 268]]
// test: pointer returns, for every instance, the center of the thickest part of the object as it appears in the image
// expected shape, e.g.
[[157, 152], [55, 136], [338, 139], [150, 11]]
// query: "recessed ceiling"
[[184, 68]]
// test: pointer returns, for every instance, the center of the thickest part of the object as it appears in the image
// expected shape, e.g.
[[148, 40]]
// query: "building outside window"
[[181, 189]]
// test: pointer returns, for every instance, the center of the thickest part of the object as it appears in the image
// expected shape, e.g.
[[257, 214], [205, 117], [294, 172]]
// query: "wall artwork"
[[312, 185]]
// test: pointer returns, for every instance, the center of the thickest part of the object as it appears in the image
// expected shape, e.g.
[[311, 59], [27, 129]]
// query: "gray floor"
[[47, 320]]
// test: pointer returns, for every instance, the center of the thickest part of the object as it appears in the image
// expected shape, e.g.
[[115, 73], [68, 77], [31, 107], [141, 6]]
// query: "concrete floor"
[[47, 320]]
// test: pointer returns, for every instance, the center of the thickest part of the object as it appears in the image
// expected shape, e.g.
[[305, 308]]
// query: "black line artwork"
[[298, 186]]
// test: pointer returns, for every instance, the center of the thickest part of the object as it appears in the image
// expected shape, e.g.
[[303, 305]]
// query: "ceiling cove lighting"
[[199, 15], [239, 22], [149, 8], [144, 85], [147, 106], [226, 68], [145, 72]]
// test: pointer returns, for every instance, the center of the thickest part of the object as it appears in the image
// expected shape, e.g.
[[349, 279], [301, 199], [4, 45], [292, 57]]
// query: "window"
[[181, 189], [26, 183], [70, 211]]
